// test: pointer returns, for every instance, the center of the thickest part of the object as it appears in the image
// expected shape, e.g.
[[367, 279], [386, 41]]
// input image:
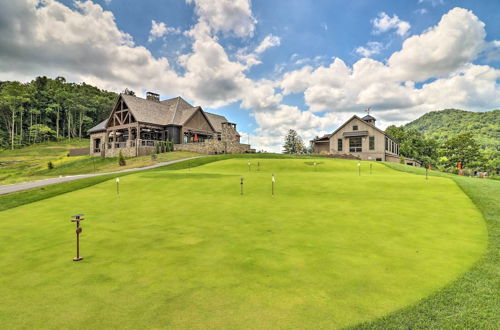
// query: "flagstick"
[[272, 185]]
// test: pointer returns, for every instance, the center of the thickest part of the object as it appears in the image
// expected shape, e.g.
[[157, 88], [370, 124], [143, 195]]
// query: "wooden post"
[[241, 186], [77, 218], [370, 168]]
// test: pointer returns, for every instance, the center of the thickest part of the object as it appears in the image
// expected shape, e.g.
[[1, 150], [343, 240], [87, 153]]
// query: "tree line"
[[446, 154], [49, 109]]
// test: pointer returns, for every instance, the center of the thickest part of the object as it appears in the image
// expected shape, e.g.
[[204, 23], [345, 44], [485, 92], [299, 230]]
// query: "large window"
[[372, 143], [355, 144], [339, 144], [355, 128]]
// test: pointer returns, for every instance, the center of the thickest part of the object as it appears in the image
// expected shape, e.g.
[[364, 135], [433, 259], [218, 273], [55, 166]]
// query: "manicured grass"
[[471, 302], [30, 163], [181, 248]]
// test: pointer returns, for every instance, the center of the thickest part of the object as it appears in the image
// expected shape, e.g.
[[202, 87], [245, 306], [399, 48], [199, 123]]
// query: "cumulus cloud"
[[232, 17], [443, 55], [384, 23], [159, 29], [456, 40], [372, 48]]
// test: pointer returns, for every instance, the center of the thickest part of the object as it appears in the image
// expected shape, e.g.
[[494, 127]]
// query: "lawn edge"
[[468, 301]]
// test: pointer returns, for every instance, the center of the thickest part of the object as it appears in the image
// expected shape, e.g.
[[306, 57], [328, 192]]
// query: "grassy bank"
[[30, 163], [471, 302]]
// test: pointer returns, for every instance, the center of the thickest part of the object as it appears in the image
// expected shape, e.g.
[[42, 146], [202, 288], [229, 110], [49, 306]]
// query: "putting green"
[[183, 249]]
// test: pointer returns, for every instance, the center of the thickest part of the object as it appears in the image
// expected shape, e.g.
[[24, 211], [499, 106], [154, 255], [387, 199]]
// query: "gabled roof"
[[324, 137], [188, 113], [149, 111], [368, 117], [356, 117], [174, 111], [216, 120]]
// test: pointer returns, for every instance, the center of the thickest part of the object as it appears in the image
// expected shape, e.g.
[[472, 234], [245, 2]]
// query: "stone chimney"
[[153, 96]]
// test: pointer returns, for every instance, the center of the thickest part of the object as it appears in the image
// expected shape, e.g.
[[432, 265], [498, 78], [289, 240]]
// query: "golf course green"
[[184, 249]]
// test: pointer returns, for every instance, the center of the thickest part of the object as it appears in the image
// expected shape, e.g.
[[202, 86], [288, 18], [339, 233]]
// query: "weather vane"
[[368, 111]]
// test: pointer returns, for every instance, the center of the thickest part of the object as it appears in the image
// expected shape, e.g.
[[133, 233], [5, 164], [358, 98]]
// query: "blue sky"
[[268, 65]]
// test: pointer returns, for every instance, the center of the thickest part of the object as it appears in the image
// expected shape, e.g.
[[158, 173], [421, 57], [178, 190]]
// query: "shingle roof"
[[174, 111], [216, 120], [99, 127], [368, 117], [148, 111]]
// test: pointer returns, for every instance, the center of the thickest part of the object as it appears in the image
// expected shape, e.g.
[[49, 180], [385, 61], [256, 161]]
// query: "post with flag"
[[258, 166], [241, 186], [77, 218], [426, 171], [273, 180], [118, 186], [359, 167], [248, 166], [370, 168], [314, 166]]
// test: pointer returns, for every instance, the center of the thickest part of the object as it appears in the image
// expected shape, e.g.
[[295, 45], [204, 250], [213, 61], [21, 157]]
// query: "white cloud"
[[443, 53], [160, 29], [232, 17], [456, 40], [372, 48], [268, 42], [384, 23]]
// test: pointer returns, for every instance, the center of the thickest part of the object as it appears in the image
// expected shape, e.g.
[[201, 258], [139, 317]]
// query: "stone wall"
[[79, 152], [127, 152], [214, 146]]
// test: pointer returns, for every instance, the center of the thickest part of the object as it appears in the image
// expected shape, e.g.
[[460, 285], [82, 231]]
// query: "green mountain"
[[445, 124]]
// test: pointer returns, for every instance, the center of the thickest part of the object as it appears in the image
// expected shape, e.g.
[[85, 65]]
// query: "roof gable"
[[190, 113], [356, 117]]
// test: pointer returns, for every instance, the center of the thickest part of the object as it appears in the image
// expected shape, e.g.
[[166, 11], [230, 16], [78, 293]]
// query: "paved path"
[[10, 188]]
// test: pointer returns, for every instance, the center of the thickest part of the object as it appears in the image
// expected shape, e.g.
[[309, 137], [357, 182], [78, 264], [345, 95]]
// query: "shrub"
[[401, 159], [154, 155], [50, 166], [121, 159]]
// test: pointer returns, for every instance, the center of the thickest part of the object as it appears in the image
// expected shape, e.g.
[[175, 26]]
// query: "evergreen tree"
[[293, 143]]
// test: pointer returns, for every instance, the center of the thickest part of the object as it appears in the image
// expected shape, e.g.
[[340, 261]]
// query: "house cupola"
[[153, 96], [369, 119]]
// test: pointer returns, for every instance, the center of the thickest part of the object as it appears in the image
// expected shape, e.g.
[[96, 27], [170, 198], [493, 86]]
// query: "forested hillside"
[[48, 109], [444, 124]]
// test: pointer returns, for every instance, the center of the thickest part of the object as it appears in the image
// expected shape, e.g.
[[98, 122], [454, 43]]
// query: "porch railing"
[[148, 143]]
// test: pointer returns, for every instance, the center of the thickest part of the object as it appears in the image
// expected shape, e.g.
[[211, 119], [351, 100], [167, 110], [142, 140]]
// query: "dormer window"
[[355, 128]]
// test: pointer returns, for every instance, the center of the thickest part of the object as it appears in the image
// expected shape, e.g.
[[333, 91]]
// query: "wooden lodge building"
[[360, 137], [135, 125]]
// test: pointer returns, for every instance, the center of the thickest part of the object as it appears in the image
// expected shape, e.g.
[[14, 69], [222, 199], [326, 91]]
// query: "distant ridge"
[[444, 124]]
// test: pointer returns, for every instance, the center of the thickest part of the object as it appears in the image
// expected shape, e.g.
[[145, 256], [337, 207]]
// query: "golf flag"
[[117, 180], [274, 180]]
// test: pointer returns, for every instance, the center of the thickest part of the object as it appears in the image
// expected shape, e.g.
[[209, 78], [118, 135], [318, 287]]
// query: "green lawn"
[[183, 249], [30, 163]]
